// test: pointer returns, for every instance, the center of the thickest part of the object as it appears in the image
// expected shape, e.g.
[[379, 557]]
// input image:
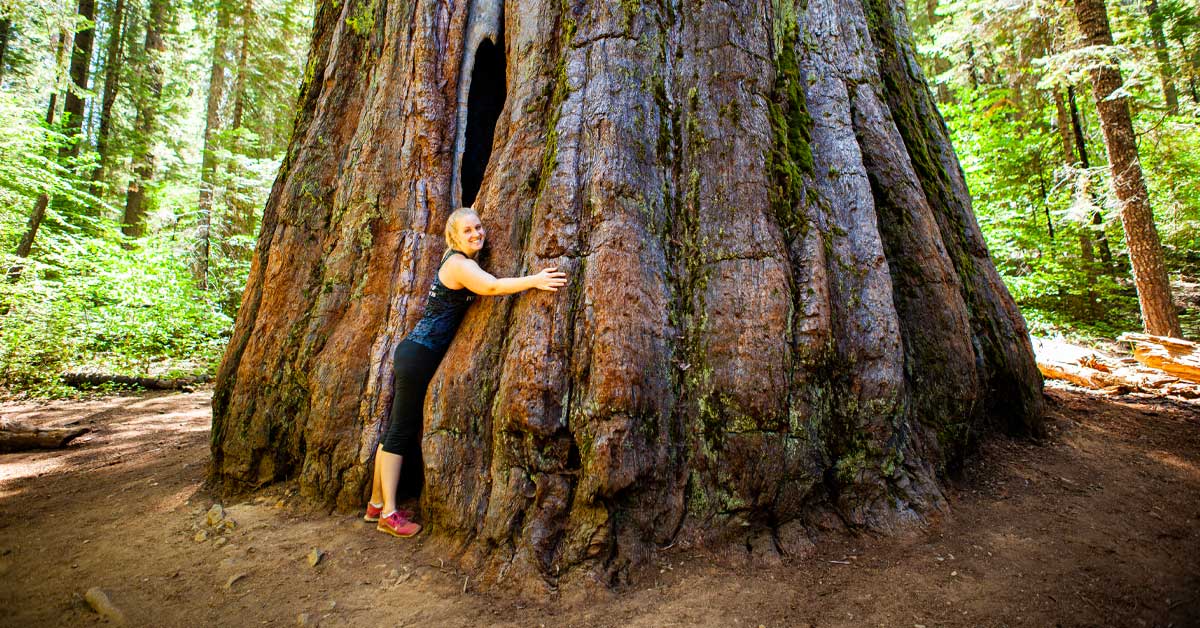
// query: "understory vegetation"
[[135, 167]]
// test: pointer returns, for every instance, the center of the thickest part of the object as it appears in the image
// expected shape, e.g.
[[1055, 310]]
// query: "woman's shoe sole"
[[392, 532]]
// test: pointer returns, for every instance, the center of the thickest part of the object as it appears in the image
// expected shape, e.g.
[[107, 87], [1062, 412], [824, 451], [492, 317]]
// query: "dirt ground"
[[1094, 526]]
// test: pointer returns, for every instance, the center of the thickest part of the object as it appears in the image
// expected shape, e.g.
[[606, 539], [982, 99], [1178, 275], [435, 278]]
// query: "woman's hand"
[[549, 279]]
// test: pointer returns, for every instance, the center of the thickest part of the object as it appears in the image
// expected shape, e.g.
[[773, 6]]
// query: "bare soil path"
[[1094, 526]]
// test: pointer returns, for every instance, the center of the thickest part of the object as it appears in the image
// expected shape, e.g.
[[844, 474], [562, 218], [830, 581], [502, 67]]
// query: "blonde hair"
[[452, 222]]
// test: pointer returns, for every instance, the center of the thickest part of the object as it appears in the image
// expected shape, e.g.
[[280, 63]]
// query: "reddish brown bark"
[[1141, 236], [780, 307]]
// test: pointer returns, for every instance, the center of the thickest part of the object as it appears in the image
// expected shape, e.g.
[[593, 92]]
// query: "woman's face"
[[470, 234]]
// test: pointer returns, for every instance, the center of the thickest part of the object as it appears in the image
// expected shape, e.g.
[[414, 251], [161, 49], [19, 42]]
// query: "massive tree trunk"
[[1141, 237], [780, 307], [133, 223]]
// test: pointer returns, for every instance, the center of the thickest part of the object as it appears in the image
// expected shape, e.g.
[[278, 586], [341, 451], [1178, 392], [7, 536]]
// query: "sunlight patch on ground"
[[1175, 463], [22, 469], [179, 498]]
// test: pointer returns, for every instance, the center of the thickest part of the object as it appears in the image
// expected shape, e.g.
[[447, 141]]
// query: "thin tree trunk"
[[1166, 72], [239, 89], [1063, 121], [5, 33], [1193, 63], [112, 72], [212, 124], [81, 61], [1066, 142], [25, 246], [1101, 237], [146, 122], [241, 214], [1141, 237]]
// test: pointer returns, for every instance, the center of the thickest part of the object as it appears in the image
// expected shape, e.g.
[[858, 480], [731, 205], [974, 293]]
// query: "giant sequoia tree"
[[780, 303]]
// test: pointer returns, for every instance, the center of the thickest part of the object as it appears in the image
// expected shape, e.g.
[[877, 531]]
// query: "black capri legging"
[[414, 366]]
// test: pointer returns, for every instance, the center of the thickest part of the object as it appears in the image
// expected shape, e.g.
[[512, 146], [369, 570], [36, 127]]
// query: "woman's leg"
[[389, 466], [377, 477], [414, 367]]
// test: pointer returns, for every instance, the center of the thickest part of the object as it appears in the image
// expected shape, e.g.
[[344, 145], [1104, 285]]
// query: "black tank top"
[[444, 310]]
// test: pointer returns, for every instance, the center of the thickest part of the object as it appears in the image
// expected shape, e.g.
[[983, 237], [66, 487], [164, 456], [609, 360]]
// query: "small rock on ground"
[[104, 607]]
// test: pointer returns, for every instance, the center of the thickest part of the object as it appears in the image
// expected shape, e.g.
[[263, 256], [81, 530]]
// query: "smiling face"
[[469, 234]]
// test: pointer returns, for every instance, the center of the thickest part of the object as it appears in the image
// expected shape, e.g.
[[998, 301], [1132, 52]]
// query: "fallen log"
[[1084, 376], [23, 438], [1175, 356], [79, 380]]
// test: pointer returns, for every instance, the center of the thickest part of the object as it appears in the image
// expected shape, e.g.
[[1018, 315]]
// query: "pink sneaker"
[[374, 511], [397, 525]]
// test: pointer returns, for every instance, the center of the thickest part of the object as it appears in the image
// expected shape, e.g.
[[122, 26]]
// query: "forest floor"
[[1096, 525]]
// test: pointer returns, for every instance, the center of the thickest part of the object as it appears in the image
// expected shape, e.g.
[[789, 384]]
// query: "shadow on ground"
[[1094, 526]]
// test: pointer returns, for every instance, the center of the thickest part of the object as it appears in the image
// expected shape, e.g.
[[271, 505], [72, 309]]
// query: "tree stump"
[[780, 309]]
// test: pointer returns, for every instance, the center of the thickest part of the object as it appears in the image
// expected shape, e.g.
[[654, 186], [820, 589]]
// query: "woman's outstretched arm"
[[467, 274]]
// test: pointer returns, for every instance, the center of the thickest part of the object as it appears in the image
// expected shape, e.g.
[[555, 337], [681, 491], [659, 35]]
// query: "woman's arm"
[[467, 274]]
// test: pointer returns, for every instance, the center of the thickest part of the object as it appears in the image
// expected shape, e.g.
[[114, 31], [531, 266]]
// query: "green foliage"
[[995, 70], [88, 298], [93, 304]]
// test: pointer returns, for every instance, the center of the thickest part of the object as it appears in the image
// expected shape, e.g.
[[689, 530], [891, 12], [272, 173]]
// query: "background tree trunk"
[[1141, 237], [81, 61], [240, 220], [145, 123], [212, 124], [38, 213], [1106, 256], [780, 305], [5, 34], [112, 75], [1166, 73]]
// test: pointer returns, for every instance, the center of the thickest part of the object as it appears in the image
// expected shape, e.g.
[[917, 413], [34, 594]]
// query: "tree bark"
[[1177, 357], [1166, 72], [1141, 237], [112, 73], [81, 61], [146, 122], [212, 124], [780, 308]]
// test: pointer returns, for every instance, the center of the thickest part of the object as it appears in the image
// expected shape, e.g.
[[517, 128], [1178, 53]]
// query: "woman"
[[457, 282]]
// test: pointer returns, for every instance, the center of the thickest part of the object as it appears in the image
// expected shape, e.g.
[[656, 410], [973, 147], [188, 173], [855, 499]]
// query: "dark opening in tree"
[[484, 104]]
